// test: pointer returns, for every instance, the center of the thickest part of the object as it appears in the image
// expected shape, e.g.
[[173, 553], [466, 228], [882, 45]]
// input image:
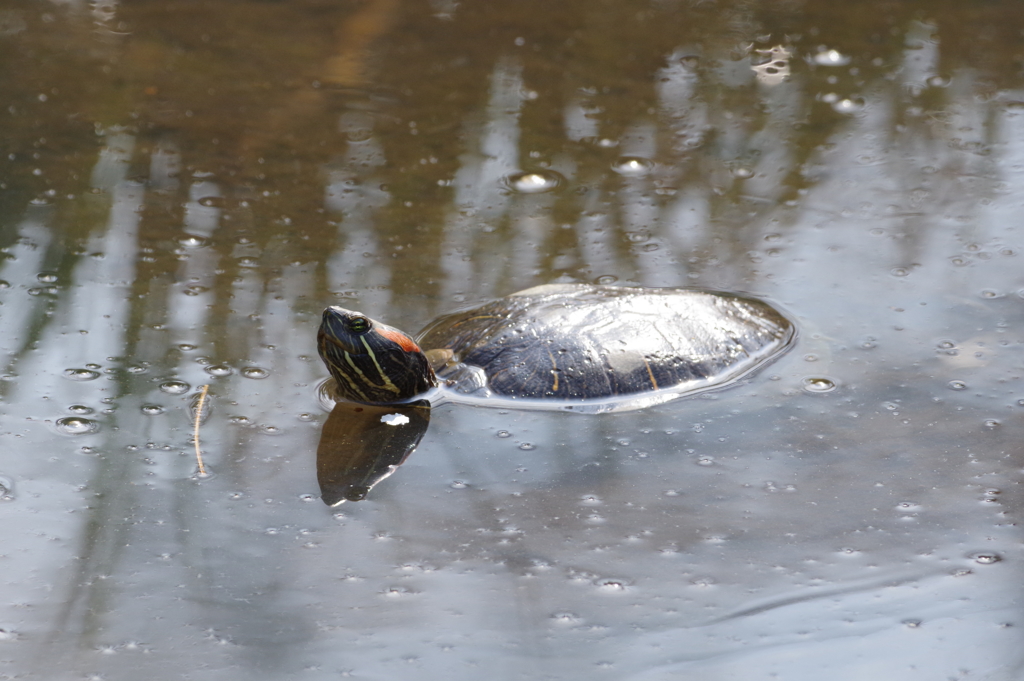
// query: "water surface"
[[184, 186]]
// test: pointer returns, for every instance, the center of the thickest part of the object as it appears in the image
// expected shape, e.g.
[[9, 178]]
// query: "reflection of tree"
[[253, 118]]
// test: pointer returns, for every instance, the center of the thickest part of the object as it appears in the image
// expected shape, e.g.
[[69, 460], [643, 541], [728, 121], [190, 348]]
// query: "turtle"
[[567, 346]]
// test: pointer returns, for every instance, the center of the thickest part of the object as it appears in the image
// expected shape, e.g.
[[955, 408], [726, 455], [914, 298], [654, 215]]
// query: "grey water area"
[[177, 206]]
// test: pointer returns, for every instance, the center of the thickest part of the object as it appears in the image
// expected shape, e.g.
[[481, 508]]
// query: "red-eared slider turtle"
[[574, 346]]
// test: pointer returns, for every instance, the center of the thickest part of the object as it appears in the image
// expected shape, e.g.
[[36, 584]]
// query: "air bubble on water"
[[81, 374], [191, 241], [47, 277], [458, 484], [211, 201], [271, 430], [606, 279], [985, 557], [240, 420], [611, 586], [248, 262], [186, 347], [991, 423], [505, 433], [632, 166], [908, 506], [306, 417], [846, 105], [4, 284], [742, 172], [80, 409], [991, 495], [956, 385], [152, 409], [527, 446], [819, 384], [254, 372], [989, 293], [899, 271], [830, 58], [565, 618], [533, 181], [218, 370], [76, 425], [175, 387]]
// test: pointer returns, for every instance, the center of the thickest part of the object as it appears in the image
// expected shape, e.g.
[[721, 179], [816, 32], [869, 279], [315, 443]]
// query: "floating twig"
[[200, 409]]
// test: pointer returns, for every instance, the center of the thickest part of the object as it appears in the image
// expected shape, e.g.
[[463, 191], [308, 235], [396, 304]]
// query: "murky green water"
[[185, 185]]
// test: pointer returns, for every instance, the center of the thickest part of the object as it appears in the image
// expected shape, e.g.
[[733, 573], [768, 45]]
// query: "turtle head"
[[371, 362]]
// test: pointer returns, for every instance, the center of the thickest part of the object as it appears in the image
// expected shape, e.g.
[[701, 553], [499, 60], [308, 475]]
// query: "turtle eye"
[[359, 325]]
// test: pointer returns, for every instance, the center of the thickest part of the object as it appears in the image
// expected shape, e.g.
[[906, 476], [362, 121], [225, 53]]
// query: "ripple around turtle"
[[324, 392]]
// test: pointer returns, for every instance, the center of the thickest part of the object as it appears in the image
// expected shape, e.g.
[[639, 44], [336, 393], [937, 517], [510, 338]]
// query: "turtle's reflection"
[[362, 444]]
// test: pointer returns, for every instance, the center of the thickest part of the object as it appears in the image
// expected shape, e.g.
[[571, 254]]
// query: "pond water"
[[184, 186]]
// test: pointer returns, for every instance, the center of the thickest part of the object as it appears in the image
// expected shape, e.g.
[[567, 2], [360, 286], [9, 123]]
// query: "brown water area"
[[185, 185]]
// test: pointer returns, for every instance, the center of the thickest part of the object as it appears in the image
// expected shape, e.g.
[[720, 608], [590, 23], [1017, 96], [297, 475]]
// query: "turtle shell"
[[581, 342]]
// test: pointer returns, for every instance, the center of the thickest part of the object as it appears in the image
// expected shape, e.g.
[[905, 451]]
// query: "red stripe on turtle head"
[[398, 338]]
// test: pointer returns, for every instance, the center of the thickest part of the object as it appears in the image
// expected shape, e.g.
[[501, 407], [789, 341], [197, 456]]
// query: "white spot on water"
[[394, 419]]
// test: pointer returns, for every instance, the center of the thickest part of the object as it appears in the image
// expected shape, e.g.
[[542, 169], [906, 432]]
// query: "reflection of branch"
[[347, 68]]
